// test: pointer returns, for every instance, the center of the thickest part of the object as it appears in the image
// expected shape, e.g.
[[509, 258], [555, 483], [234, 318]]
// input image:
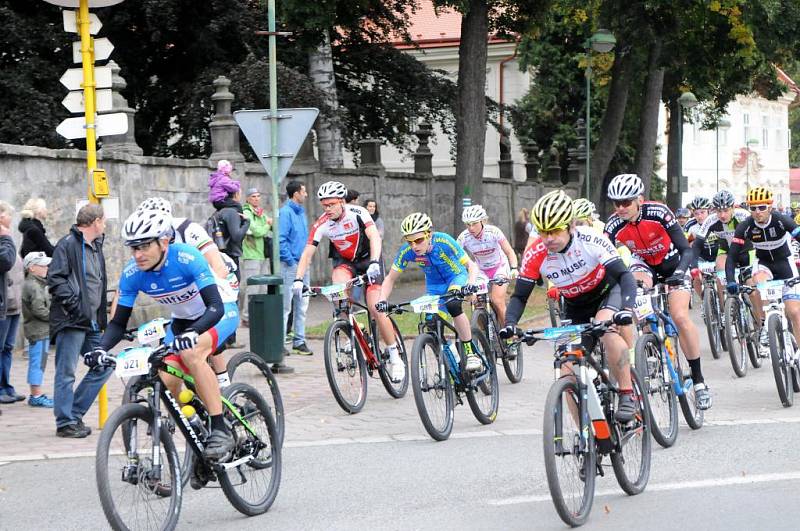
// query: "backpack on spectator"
[[215, 228]]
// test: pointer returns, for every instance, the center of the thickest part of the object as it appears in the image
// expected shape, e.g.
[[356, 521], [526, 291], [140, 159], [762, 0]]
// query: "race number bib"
[[133, 362], [425, 304], [152, 332]]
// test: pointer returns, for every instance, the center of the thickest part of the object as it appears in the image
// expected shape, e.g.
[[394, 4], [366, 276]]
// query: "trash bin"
[[266, 317]]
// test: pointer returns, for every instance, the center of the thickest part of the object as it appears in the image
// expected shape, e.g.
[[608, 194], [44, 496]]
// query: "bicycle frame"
[[435, 325], [482, 302], [658, 322]]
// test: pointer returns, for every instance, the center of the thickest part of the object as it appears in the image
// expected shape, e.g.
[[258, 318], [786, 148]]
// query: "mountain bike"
[[438, 374], [580, 428], [485, 320], [243, 366], [137, 467], [352, 353], [782, 344], [712, 314], [660, 367], [742, 327]]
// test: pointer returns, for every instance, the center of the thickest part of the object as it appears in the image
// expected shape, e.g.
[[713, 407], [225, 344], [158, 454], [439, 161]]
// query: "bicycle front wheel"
[[631, 462], [395, 389], [432, 387], [252, 484], [736, 335], [781, 367], [484, 398], [134, 492], [656, 384], [568, 459], [251, 369], [688, 400], [345, 368], [711, 314]]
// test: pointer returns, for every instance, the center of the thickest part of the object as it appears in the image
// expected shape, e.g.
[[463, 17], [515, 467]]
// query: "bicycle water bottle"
[[195, 421]]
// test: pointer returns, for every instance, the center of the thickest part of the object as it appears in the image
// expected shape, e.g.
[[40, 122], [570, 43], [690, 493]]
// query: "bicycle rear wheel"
[[661, 400], [781, 367], [345, 368], [736, 335], [570, 463], [485, 398], [513, 362], [631, 462], [711, 314], [251, 485], [250, 368], [395, 389], [432, 387], [134, 493]]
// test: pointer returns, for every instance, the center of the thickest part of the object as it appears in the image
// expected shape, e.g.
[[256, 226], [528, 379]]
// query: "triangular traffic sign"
[[293, 128]]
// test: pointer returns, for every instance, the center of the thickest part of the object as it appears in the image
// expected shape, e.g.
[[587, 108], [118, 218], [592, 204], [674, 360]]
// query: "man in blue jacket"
[[293, 236]]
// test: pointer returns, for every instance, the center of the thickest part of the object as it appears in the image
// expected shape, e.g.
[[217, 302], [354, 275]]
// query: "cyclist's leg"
[[497, 295], [761, 273], [687, 332], [641, 271], [616, 347], [722, 256]]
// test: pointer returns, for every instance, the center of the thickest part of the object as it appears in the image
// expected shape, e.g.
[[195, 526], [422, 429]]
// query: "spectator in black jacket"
[[8, 252], [77, 282], [34, 237], [231, 213]]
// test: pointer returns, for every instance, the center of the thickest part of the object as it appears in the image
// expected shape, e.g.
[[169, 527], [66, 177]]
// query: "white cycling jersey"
[[486, 250], [194, 234]]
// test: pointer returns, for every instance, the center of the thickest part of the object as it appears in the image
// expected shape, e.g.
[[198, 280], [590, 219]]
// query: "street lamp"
[[724, 124], [687, 100], [602, 41]]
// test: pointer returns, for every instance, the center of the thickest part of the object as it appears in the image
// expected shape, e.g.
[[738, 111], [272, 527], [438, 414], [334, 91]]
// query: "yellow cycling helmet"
[[759, 196], [583, 208], [415, 223], [552, 211]]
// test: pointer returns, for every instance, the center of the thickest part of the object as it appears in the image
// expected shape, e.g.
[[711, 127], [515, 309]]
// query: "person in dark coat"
[[76, 279], [8, 252], [34, 236]]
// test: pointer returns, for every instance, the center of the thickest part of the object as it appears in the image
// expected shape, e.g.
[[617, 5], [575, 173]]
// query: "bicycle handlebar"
[[595, 329]]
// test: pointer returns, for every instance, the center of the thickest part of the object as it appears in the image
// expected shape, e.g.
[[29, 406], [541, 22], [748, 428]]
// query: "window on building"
[[765, 131], [746, 120]]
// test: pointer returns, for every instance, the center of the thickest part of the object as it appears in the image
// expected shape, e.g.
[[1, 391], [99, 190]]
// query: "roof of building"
[[431, 27]]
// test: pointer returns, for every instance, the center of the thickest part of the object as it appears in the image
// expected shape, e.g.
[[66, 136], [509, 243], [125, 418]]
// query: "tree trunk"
[[471, 106], [674, 163], [329, 137], [611, 124], [648, 123]]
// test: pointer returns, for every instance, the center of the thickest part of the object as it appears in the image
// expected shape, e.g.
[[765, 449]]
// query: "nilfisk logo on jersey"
[[153, 286], [185, 258], [178, 298]]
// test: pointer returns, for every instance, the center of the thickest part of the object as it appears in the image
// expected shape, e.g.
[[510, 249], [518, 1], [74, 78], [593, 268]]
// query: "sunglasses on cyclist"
[[142, 246], [758, 208], [544, 233], [417, 241], [624, 203]]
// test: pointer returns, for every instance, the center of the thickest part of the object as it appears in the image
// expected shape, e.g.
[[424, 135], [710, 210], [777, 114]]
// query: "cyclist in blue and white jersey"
[[224, 269], [177, 276], [447, 268]]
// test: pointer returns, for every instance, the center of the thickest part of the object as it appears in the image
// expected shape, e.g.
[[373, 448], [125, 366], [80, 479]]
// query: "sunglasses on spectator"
[[418, 240], [624, 203], [758, 208]]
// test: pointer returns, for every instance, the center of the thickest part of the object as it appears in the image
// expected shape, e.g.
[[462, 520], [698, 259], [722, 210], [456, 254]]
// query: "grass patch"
[[407, 322]]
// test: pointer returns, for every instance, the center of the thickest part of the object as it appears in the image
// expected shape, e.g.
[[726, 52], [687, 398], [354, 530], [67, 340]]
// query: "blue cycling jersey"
[[445, 261], [176, 284]]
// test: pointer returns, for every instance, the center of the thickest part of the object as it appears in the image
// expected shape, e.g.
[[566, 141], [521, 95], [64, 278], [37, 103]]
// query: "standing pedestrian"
[[225, 194], [521, 231], [34, 235], [372, 207], [254, 259], [77, 281], [8, 254], [8, 331], [293, 236], [351, 198], [36, 316]]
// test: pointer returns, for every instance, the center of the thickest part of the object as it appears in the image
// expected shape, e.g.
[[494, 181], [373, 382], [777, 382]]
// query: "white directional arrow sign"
[[77, 3], [105, 125], [71, 24], [73, 78], [102, 50], [74, 101]]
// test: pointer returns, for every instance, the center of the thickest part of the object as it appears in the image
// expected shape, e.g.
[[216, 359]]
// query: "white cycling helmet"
[[332, 189], [146, 225], [625, 186], [415, 223], [156, 203], [474, 213], [582, 208]]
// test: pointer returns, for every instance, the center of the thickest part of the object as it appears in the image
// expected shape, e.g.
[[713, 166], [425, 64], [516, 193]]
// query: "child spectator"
[[36, 315]]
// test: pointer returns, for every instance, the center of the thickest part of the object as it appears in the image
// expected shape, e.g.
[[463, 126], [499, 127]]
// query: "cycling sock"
[[218, 423], [223, 379], [393, 351], [467, 347], [626, 391], [697, 374]]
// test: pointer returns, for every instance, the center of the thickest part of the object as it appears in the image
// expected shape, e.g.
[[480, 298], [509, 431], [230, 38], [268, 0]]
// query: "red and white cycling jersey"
[[579, 271], [347, 234], [648, 236], [485, 248]]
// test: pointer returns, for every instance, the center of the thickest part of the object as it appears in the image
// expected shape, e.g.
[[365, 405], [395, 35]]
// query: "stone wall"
[[59, 176]]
